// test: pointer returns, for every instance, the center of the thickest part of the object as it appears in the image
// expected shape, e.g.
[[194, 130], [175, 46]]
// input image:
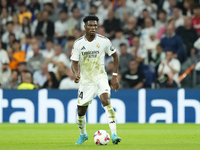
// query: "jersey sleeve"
[[109, 49], [75, 53]]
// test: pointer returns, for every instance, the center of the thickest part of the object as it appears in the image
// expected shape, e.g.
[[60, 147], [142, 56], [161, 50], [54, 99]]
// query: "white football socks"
[[81, 121], [110, 114]]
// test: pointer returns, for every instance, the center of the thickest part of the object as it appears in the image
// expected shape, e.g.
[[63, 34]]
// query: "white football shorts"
[[87, 92]]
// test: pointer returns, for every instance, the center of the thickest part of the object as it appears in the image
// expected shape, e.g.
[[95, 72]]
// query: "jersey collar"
[[92, 40]]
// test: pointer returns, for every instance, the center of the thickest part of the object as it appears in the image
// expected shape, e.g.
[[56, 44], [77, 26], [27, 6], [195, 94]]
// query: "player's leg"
[[110, 114], [81, 121], [85, 97]]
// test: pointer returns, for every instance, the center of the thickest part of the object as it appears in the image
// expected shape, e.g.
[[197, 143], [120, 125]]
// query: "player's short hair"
[[90, 17]]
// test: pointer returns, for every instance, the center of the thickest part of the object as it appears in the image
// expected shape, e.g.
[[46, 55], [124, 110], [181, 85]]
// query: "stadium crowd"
[[157, 40]]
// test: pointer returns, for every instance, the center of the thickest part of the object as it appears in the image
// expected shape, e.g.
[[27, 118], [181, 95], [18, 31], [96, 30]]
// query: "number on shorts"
[[80, 95]]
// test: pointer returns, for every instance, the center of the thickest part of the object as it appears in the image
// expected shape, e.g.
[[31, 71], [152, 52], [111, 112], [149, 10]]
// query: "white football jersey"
[[91, 57]]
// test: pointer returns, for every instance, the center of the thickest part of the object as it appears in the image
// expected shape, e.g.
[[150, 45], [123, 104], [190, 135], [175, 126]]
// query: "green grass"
[[134, 137]]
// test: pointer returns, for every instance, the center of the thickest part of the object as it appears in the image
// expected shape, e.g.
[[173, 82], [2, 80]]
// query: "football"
[[101, 137]]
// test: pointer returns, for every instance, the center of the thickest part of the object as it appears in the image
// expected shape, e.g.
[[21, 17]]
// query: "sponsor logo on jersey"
[[83, 48], [90, 54], [98, 45]]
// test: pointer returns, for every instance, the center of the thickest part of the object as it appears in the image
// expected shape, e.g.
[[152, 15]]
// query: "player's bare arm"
[[75, 69], [114, 80]]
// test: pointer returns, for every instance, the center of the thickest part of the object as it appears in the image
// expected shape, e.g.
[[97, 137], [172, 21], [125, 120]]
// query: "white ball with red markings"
[[101, 137]]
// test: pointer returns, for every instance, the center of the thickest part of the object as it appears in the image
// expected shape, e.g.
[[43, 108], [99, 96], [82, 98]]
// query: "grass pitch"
[[134, 137]]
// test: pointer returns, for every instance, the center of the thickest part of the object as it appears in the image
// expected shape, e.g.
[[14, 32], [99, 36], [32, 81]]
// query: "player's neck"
[[90, 38]]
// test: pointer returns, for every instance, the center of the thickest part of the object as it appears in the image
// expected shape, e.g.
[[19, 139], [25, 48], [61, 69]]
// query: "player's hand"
[[77, 78], [114, 83]]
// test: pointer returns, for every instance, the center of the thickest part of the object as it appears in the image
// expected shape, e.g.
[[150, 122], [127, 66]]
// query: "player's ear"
[[85, 26]]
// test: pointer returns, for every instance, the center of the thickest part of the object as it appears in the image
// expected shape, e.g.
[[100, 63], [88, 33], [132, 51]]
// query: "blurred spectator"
[[11, 40], [166, 81], [174, 43], [77, 33], [124, 9], [24, 13], [196, 18], [53, 12], [61, 71], [135, 4], [35, 22], [145, 32], [133, 78], [5, 72], [103, 9], [52, 82], [5, 4], [151, 8], [26, 82], [187, 8], [68, 82], [76, 20], [18, 55], [176, 15], [119, 38], [45, 28], [101, 31], [170, 65], [16, 25], [111, 24], [188, 34], [29, 52], [150, 46], [40, 76], [162, 20], [58, 57], [34, 8], [61, 26], [3, 54], [132, 30], [5, 17], [141, 20], [34, 62], [84, 6], [12, 83], [197, 44], [124, 58], [68, 47], [157, 56], [93, 11], [27, 43], [26, 27], [68, 6], [5, 36], [138, 50], [49, 51], [21, 69], [115, 4], [13, 63], [169, 5]]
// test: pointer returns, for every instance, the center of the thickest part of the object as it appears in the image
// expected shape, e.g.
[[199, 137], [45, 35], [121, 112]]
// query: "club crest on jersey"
[[98, 45]]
